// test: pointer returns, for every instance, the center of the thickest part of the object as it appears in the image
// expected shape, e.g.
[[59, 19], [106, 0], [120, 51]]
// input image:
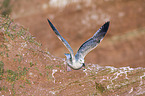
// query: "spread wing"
[[62, 39], [92, 43]]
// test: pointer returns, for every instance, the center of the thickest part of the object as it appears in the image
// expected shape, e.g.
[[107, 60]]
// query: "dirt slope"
[[25, 69]]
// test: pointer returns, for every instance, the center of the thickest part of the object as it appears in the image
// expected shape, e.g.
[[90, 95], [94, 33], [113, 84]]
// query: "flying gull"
[[77, 61]]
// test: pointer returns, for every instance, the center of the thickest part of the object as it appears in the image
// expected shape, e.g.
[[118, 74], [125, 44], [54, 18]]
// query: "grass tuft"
[[99, 87], [1, 69]]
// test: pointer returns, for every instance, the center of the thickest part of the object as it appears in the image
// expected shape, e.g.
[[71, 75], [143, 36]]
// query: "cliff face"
[[26, 69]]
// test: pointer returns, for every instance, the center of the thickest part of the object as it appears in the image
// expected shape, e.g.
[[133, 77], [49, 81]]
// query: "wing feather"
[[62, 39], [92, 43]]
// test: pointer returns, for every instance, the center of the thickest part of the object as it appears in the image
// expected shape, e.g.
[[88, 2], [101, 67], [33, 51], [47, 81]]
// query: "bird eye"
[[84, 64]]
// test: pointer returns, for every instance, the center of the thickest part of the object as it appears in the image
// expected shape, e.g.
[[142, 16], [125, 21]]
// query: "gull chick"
[[77, 61]]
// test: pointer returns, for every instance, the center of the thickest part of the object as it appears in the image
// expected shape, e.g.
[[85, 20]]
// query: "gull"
[[77, 61]]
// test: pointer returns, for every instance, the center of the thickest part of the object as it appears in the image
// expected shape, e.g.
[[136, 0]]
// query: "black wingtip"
[[52, 26], [48, 21], [106, 26]]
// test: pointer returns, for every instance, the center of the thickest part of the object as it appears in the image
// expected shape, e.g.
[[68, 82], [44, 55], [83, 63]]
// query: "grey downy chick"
[[77, 61]]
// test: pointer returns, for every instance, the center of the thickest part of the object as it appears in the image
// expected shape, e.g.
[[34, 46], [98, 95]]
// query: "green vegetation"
[[4, 88], [58, 66], [22, 72], [3, 53], [7, 54], [20, 58], [9, 31], [1, 69], [28, 81], [49, 76], [36, 68], [40, 74], [48, 67], [21, 32], [13, 76], [99, 87], [5, 8], [13, 89], [16, 75], [31, 64], [31, 39], [10, 35]]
